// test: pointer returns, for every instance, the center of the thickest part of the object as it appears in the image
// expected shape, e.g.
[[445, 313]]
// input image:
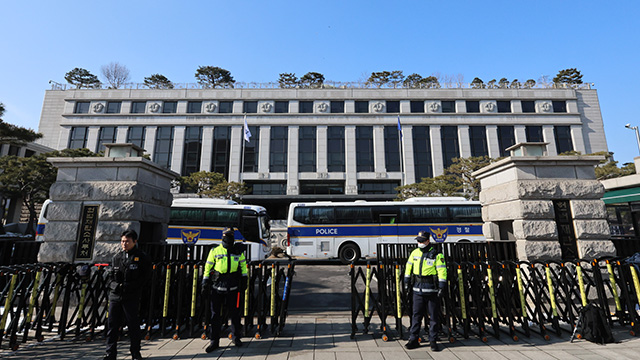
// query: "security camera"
[[50, 81], [628, 126]]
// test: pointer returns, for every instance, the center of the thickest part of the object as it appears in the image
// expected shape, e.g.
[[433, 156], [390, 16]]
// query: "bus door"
[[388, 222]]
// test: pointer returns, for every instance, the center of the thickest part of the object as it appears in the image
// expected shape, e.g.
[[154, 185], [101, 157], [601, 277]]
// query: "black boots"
[[412, 344], [434, 346], [212, 346]]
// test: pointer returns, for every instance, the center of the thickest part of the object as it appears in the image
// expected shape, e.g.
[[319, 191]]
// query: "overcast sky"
[[344, 40]]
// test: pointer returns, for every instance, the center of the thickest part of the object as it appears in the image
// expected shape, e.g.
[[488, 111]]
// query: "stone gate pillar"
[[550, 205], [94, 199]]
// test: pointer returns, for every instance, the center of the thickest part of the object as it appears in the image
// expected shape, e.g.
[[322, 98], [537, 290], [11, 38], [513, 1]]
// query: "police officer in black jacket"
[[129, 274]]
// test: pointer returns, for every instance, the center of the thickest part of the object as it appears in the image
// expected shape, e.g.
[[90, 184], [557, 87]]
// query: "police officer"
[[130, 273], [427, 269], [225, 276]]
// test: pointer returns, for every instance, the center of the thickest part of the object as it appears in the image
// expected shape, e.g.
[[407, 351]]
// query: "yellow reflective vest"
[[225, 268], [428, 270]]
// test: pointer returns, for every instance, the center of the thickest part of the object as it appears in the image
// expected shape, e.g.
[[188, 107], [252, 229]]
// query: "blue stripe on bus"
[[40, 229], [190, 235], [383, 230]]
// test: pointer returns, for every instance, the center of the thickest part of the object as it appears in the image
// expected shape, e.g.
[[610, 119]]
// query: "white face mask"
[[423, 245]]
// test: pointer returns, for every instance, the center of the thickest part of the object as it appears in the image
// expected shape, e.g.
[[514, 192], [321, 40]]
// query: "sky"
[[346, 40]]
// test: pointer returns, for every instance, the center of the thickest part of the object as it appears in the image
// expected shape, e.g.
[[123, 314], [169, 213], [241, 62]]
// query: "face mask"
[[227, 241], [422, 245]]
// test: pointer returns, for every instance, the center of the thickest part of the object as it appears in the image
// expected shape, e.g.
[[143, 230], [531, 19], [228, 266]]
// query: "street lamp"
[[635, 128]]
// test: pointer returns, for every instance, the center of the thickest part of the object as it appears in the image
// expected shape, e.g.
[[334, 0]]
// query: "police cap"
[[422, 236]]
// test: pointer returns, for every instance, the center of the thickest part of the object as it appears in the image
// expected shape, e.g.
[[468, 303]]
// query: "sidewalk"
[[327, 336]]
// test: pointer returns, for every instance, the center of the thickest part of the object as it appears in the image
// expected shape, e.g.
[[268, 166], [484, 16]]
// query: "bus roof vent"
[[437, 199], [203, 201]]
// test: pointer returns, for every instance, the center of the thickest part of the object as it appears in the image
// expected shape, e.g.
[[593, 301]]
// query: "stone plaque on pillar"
[[87, 233]]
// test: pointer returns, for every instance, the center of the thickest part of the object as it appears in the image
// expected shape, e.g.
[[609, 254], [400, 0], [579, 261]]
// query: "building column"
[[577, 139], [351, 170], [321, 149], [150, 141], [92, 137], [407, 153], [379, 163], [493, 146], [207, 148], [520, 133], [436, 150], [235, 152], [463, 141], [547, 134], [63, 141], [121, 134], [265, 144], [177, 149], [293, 183]]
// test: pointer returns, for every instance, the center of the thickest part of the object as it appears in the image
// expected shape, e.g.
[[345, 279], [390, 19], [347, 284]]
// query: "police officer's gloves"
[[115, 287], [407, 285], [440, 293]]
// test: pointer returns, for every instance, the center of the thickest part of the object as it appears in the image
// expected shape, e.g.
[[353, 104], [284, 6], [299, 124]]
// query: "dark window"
[[221, 146], [362, 107], [13, 150], [335, 148], [528, 106], [422, 152], [305, 107], [278, 149], [321, 188], [364, 148], [337, 107], [205, 217], [559, 106], [135, 135], [78, 137], [82, 107], [282, 107], [506, 139], [563, 138], [353, 215], [378, 187], [462, 213], [225, 107], [620, 218], [504, 106], [113, 107], [29, 153], [534, 133], [307, 149], [429, 214], [417, 106], [138, 107], [450, 146], [194, 107], [473, 106], [267, 188], [478, 140], [250, 107], [393, 106], [448, 106], [164, 146], [314, 215], [170, 107], [391, 148], [192, 150], [251, 150], [107, 135]]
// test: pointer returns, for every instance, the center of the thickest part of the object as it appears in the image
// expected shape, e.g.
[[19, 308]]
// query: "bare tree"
[[115, 74]]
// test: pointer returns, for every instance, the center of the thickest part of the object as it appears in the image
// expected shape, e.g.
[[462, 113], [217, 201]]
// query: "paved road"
[[320, 288]]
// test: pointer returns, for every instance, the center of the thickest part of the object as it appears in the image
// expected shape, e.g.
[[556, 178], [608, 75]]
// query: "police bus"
[[201, 221], [350, 230]]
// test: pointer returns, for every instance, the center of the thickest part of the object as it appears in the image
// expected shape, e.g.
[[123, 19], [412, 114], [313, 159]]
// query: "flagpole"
[[243, 141], [400, 148]]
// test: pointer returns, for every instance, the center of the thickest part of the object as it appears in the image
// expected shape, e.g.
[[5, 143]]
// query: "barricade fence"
[[498, 297], [53, 300]]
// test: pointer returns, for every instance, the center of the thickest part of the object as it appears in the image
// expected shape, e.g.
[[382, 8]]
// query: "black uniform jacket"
[[130, 272]]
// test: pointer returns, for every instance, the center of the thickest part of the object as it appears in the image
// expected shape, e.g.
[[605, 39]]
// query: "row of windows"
[[322, 187], [401, 214], [307, 150], [250, 107]]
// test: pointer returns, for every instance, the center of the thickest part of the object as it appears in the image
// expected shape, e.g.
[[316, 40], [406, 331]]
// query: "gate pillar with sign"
[[94, 199], [550, 205]]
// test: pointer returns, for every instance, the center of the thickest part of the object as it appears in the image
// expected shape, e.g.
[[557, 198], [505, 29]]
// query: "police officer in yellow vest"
[[225, 276], [427, 270]]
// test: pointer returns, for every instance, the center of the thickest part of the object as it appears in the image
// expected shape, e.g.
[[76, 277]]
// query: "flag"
[[399, 127], [247, 132]]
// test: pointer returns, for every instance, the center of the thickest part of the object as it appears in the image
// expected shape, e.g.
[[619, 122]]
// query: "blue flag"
[[399, 127]]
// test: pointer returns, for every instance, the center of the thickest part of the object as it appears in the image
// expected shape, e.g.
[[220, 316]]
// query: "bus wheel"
[[349, 253]]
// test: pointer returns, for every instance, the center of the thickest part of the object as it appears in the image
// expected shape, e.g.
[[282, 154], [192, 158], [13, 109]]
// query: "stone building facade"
[[322, 144]]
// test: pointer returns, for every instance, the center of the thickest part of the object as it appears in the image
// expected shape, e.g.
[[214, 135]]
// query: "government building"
[[327, 144]]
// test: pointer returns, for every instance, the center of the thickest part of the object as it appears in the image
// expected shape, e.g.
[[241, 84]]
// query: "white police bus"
[[201, 221], [350, 230]]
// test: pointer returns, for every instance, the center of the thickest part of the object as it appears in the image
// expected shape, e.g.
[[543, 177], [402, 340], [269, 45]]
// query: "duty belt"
[[424, 279]]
